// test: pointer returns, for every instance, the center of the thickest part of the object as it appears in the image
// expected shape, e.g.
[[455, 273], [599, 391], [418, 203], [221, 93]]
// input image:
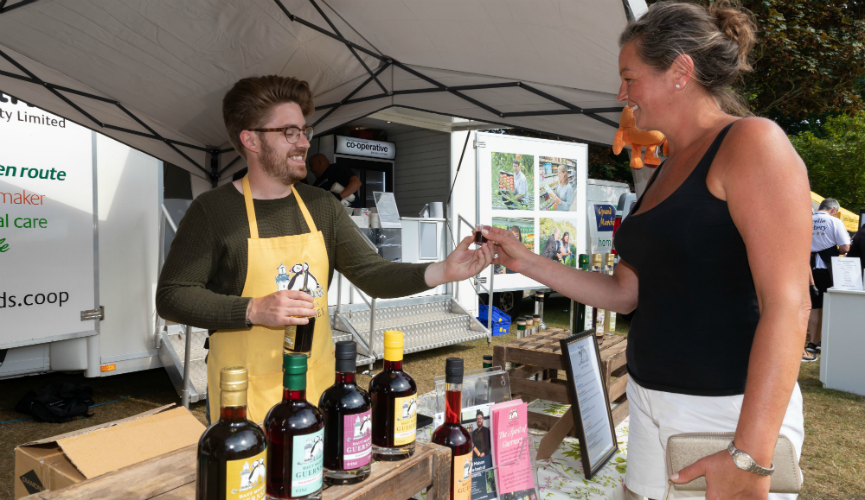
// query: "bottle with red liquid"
[[347, 414], [298, 338], [480, 239], [453, 435], [232, 452], [295, 438], [394, 405]]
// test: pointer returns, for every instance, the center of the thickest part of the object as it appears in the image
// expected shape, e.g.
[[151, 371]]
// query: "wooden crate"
[[172, 477], [541, 355]]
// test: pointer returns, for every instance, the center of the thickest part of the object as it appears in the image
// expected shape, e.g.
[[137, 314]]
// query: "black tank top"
[[697, 307]]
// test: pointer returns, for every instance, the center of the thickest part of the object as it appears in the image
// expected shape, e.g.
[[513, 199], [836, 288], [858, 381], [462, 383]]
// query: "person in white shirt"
[[564, 192], [828, 239], [521, 185]]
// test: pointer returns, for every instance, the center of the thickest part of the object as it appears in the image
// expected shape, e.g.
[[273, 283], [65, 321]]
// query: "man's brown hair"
[[251, 100]]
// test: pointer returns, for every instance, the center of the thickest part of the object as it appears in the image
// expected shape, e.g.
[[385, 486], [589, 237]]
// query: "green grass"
[[833, 457]]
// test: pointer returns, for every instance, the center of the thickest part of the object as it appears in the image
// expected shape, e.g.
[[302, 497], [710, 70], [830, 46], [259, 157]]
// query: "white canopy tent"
[[152, 74]]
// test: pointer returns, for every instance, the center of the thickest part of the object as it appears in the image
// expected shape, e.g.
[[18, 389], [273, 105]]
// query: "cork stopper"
[[597, 260], [611, 260]]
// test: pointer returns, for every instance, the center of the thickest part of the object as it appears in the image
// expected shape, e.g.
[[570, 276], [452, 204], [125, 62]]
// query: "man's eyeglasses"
[[292, 134]]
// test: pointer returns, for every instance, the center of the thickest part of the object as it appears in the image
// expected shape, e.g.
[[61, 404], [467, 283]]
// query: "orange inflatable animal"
[[629, 135]]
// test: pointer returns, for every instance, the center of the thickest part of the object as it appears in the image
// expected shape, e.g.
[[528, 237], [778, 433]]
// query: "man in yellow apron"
[[233, 263]]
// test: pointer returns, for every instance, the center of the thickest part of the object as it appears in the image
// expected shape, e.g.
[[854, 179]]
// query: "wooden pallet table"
[[540, 356], [172, 477]]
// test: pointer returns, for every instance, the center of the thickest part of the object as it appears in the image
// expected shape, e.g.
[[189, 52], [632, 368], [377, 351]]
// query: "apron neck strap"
[[306, 217], [250, 210]]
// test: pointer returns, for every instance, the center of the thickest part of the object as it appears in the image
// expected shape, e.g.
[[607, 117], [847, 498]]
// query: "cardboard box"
[[61, 461]]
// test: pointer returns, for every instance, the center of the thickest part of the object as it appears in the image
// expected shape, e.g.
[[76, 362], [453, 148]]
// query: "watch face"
[[742, 461]]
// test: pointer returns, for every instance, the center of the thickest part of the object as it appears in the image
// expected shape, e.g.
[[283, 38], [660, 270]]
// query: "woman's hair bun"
[[737, 23]]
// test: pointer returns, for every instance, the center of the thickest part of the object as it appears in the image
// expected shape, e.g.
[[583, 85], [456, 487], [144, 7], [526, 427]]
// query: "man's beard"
[[279, 168]]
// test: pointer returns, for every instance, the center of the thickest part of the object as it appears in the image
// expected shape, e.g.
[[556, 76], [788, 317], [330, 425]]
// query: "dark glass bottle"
[[453, 435], [394, 404], [295, 438], [347, 411], [232, 452], [298, 338], [583, 316]]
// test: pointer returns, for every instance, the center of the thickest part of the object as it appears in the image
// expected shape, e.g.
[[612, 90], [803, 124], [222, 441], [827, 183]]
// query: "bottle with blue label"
[[295, 438]]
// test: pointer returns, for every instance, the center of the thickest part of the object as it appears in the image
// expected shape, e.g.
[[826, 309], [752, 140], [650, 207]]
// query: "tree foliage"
[[810, 58], [835, 161]]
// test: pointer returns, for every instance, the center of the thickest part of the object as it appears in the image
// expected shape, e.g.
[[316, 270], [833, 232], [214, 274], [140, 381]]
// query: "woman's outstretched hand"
[[511, 251]]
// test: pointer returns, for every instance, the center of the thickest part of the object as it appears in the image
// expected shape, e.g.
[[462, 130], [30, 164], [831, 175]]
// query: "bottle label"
[[307, 463], [357, 440], [587, 323], [290, 337], [612, 321], [599, 326], [405, 420], [245, 478], [462, 480]]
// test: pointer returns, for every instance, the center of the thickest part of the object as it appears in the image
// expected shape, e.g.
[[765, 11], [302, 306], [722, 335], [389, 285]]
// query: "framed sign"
[[590, 403]]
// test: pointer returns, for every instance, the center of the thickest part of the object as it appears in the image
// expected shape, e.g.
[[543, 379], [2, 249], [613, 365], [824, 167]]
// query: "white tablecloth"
[[560, 477]]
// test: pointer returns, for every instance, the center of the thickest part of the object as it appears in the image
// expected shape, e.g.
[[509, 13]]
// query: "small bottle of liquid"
[[536, 324], [298, 338], [453, 435], [521, 328], [597, 263], [394, 405], [347, 414], [480, 239], [610, 320], [585, 314], [488, 361], [230, 443], [295, 438], [540, 308]]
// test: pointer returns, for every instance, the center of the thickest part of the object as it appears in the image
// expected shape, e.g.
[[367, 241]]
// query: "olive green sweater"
[[204, 273]]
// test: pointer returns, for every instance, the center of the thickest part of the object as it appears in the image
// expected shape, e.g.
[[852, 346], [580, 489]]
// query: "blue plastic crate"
[[501, 321]]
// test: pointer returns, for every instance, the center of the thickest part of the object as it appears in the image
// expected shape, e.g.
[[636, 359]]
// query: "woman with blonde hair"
[[721, 282]]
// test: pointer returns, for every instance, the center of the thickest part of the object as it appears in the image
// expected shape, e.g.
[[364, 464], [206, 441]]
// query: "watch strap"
[[753, 467]]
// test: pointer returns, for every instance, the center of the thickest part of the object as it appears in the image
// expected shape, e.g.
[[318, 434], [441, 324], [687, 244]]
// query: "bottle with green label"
[[394, 405], [232, 457], [295, 438]]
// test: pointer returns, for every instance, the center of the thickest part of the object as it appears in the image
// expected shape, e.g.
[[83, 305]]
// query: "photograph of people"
[[743, 277], [481, 437], [564, 195], [551, 248], [556, 235], [565, 247], [228, 249], [513, 181], [522, 229]]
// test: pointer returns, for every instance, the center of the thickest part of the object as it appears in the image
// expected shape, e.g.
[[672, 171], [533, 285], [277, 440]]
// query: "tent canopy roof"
[[153, 74]]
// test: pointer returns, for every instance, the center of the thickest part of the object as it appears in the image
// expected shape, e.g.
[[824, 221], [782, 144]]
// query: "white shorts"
[[657, 415]]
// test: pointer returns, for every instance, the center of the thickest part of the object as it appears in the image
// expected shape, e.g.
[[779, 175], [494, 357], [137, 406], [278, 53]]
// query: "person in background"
[[829, 239], [564, 192], [716, 338], [857, 247], [565, 247], [521, 185], [327, 176], [481, 437], [551, 249]]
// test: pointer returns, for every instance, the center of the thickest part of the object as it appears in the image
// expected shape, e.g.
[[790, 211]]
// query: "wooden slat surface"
[[172, 477]]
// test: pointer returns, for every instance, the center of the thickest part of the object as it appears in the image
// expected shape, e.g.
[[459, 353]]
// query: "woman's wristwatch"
[[746, 463]]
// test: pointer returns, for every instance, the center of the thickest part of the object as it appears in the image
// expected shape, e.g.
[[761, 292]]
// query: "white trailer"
[[79, 224]]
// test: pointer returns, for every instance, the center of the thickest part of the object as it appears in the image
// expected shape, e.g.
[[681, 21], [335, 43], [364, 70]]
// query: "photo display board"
[[536, 189], [590, 403], [46, 226]]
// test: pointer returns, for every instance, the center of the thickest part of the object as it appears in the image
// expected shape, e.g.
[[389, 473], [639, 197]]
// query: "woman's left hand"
[[461, 264], [724, 480]]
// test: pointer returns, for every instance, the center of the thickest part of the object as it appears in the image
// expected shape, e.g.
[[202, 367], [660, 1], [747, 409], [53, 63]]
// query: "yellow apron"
[[271, 266]]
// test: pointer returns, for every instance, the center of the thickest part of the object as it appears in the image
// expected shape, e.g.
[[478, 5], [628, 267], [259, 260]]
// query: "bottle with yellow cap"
[[610, 319], [232, 457], [295, 437], [394, 404]]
